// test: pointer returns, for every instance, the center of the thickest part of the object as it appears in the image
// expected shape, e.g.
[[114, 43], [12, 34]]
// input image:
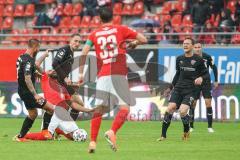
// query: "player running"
[[112, 71], [27, 69], [61, 122], [190, 72], [205, 88]]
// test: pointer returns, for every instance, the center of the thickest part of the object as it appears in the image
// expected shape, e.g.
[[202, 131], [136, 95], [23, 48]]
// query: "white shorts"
[[61, 119], [112, 90]]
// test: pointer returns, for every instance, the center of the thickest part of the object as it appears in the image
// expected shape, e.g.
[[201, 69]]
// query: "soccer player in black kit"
[[62, 64], [27, 68], [205, 88], [190, 72]]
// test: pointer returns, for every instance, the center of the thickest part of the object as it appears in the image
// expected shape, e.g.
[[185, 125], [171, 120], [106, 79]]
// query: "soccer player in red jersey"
[[61, 121], [109, 42]]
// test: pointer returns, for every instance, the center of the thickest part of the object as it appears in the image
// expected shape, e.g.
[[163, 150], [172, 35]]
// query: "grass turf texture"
[[136, 140]]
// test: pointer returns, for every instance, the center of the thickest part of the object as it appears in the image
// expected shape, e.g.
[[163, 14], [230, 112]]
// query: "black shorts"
[[182, 97], [30, 102], [205, 89]]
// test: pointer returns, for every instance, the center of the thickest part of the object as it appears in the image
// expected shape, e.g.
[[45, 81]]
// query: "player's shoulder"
[[205, 55], [24, 58], [180, 57], [197, 57]]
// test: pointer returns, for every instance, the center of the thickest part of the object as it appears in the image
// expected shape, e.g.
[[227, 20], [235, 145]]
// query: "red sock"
[[95, 125], [59, 131], [119, 119], [35, 136]]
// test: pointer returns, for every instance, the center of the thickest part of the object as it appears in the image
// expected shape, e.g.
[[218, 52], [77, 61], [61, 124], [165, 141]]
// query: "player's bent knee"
[[32, 114], [208, 102], [171, 107], [183, 110]]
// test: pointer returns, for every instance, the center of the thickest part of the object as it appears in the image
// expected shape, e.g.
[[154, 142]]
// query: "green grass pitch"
[[136, 141]]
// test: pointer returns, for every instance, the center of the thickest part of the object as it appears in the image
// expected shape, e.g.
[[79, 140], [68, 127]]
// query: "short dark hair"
[[190, 38], [33, 42], [196, 42], [75, 34], [106, 14]]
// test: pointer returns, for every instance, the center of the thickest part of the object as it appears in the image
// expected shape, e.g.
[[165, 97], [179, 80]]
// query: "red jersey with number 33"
[[111, 54]]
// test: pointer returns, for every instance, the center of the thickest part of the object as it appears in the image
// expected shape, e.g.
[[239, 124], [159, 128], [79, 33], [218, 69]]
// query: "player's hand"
[[67, 81], [46, 54], [80, 79], [166, 92], [198, 81], [132, 45], [38, 98], [215, 85]]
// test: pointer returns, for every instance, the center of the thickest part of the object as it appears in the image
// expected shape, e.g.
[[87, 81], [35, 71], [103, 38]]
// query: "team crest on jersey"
[[181, 62], [193, 62], [28, 66]]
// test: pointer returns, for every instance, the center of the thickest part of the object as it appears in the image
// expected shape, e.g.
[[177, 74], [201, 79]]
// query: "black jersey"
[[25, 66], [187, 70], [63, 62], [208, 61]]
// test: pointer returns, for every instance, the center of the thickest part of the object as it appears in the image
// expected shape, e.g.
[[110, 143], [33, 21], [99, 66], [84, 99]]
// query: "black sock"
[[191, 115], [209, 116], [166, 123], [27, 124], [46, 120], [74, 114], [185, 121]]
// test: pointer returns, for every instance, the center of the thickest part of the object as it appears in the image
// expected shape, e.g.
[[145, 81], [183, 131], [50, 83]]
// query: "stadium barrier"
[[150, 71]]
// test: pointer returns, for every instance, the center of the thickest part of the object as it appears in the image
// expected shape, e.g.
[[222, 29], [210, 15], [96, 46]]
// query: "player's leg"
[[174, 102], [102, 105], [197, 93], [47, 115], [120, 96], [27, 124], [183, 110], [191, 115], [208, 101]]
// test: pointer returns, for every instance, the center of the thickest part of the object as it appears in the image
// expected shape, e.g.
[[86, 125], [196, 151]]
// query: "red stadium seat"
[[74, 30], [7, 23], [167, 6], [1, 21], [117, 8], [84, 33], [231, 5], [64, 39], [15, 32], [55, 31], [117, 20], [77, 9], [127, 9], [138, 8], [187, 21], [75, 22], [60, 9], [2, 2], [8, 11], [9, 2], [67, 11], [65, 22], [30, 10], [95, 22], [48, 1], [176, 21], [19, 10], [165, 18], [36, 33], [85, 21], [45, 37], [26, 32], [1, 10]]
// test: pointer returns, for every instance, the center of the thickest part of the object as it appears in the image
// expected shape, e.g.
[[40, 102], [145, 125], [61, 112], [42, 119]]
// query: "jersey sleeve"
[[28, 68], [129, 33], [90, 40]]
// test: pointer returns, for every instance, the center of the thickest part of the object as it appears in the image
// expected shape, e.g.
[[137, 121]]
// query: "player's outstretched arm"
[[140, 39], [82, 60], [40, 60], [31, 87]]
